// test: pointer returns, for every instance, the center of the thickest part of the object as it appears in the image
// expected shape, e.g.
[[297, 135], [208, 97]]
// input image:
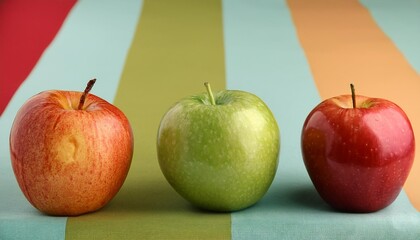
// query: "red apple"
[[358, 153], [69, 156]]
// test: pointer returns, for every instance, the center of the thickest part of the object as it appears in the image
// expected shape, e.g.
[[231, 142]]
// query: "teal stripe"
[[400, 20], [263, 56], [93, 42]]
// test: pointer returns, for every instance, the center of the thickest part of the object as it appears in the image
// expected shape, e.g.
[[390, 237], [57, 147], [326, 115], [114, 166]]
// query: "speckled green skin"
[[219, 157]]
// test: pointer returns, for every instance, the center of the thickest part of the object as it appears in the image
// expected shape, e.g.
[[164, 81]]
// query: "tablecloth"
[[149, 54]]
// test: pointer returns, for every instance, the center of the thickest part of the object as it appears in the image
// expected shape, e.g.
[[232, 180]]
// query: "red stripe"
[[26, 30]]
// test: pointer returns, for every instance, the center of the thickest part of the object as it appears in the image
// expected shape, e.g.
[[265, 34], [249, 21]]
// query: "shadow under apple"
[[150, 196], [291, 196]]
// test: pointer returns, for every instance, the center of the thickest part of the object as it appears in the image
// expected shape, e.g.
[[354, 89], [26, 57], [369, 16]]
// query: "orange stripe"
[[343, 44]]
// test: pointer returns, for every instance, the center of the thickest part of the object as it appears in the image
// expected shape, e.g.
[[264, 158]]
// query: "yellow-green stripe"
[[178, 45]]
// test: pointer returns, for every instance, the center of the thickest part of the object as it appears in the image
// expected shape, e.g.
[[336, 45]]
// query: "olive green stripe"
[[178, 45]]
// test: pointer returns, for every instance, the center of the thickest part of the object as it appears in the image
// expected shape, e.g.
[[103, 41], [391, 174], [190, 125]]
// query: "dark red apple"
[[358, 151]]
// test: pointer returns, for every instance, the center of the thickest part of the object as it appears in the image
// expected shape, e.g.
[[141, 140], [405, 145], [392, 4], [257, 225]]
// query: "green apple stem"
[[353, 95], [85, 93], [210, 93]]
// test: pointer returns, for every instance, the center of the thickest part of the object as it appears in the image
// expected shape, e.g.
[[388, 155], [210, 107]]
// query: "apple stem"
[[85, 93], [210, 93], [353, 95]]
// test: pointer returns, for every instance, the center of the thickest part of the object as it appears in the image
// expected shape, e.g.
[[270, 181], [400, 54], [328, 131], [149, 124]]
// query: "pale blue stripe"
[[263, 56], [93, 42], [400, 20]]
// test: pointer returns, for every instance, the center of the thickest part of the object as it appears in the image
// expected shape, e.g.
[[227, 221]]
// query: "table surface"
[[147, 55]]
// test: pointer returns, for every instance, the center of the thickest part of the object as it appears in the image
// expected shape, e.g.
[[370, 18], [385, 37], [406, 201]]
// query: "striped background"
[[149, 54]]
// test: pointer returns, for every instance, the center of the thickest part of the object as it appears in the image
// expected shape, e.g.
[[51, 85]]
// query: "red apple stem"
[[353, 95], [211, 97], [85, 93]]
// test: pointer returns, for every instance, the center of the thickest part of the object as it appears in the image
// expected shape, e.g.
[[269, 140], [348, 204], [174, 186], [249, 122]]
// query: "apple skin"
[[68, 161], [358, 158], [219, 157]]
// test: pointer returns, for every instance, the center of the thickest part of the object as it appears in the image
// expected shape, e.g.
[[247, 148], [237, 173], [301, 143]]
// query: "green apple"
[[219, 152]]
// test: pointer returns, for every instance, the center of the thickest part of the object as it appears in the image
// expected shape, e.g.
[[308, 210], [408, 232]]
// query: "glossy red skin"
[[358, 159], [67, 161]]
